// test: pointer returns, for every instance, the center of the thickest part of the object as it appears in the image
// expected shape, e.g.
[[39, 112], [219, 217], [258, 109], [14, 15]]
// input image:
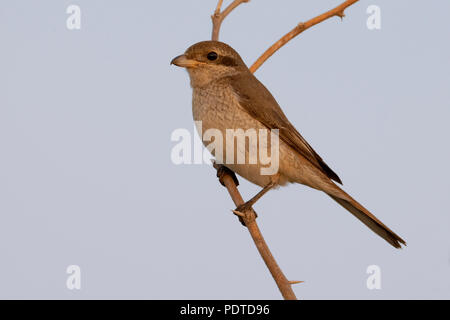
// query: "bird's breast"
[[218, 108]]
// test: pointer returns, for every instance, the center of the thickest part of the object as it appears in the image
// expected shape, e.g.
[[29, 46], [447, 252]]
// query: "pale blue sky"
[[85, 171]]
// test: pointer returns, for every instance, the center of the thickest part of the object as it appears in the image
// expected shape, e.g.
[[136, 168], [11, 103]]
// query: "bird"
[[227, 95]]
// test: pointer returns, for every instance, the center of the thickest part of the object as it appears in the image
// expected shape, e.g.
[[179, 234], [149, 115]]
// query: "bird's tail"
[[367, 218]]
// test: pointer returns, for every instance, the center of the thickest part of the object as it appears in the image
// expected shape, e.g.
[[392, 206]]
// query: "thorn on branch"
[[238, 213], [341, 14]]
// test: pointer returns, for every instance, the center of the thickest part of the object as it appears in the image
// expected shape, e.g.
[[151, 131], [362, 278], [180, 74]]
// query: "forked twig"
[[218, 16]]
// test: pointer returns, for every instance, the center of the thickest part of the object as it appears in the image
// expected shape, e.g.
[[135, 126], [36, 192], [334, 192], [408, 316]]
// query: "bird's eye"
[[212, 56]]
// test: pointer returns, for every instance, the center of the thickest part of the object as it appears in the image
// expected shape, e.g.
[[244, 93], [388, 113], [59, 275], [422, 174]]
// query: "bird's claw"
[[222, 171]]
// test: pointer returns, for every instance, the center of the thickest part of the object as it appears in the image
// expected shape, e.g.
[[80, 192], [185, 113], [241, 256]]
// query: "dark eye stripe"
[[228, 61]]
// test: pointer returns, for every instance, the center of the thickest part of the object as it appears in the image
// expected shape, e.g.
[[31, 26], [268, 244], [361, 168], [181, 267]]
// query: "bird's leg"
[[243, 209], [247, 205], [221, 172]]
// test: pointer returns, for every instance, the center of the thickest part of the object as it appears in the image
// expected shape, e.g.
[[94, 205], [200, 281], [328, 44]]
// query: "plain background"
[[86, 176]]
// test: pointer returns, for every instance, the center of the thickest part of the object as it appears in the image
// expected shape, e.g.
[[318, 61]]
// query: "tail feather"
[[369, 220]]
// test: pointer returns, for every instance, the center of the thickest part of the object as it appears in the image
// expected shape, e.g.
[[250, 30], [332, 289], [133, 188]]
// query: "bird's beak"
[[182, 61]]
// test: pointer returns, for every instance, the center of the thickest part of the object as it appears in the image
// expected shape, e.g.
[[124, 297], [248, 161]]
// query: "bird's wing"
[[254, 97]]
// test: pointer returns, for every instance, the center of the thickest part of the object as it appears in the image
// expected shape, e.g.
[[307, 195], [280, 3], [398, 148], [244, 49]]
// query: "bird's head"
[[208, 61]]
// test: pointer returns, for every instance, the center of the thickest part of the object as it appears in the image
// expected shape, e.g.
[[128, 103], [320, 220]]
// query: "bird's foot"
[[222, 171], [243, 208], [245, 212]]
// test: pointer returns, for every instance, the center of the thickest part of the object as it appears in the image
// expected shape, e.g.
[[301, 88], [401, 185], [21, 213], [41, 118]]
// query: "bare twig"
[[338, 11], [218, 16], [248, 217]]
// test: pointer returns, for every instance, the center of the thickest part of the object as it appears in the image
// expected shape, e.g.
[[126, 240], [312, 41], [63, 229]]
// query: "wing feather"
[[259, 103]]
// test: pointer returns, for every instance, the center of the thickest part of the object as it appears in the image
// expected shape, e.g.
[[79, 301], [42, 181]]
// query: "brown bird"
[[226, 95]]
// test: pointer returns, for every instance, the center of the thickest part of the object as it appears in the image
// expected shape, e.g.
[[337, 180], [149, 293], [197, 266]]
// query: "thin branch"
[[218, 16], [219, 5], [249, 217], [338, 12]]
